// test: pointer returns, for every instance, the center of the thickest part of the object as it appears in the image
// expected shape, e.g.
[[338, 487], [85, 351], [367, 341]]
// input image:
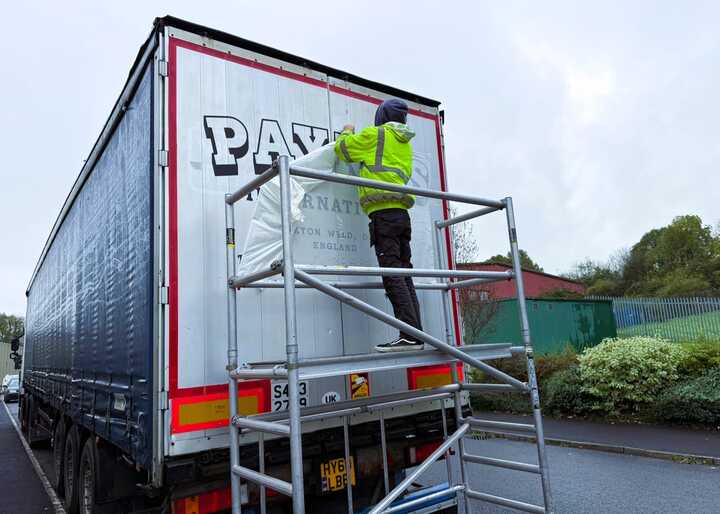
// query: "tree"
[[681, 259], [465, 243], [561, 294], [601, 279], [525, 261], [478, 310], [11, 326], [605, 287]]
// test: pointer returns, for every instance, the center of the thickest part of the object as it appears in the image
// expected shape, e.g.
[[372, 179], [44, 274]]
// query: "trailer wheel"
[[87, 486], [30, 414], [22, 413], [70, 465], [58, 445]]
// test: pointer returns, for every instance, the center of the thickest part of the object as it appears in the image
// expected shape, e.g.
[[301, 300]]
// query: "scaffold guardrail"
[[293, 369]]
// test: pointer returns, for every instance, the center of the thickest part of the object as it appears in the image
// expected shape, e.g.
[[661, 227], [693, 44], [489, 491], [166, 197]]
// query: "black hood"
[[391, 110]]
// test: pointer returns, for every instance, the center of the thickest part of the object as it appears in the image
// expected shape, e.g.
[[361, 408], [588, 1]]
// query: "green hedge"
[[563, 394], [545, 365], [694, 401], [697, 357], [632, 378]]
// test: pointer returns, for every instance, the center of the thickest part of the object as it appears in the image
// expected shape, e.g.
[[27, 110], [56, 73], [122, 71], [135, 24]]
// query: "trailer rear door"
[[229, 113]]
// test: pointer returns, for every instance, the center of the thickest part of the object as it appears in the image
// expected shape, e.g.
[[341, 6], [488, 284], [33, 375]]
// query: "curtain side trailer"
[[126, 338]]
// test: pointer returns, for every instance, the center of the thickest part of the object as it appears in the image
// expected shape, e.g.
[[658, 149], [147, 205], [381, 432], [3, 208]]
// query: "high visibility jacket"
[[384, 154]]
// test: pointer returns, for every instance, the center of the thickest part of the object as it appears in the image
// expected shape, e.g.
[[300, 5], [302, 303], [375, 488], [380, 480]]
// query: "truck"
[[126, 323], [136, 331]]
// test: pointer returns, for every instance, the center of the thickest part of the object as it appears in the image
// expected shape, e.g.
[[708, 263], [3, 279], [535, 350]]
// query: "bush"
[[698, 357], [545, 366], [563, 393], [694, 401], [501, 402], [514, 366], [562, 294], [622, 375]]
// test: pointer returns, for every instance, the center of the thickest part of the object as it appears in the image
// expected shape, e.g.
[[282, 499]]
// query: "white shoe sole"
[[399, 348]]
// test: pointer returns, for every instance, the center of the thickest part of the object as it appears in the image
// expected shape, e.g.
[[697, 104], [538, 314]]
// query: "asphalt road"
[[584, 481], [588, 482]]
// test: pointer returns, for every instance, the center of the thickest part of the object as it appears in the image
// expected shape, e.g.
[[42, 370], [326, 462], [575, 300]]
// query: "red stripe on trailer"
[[174, 390], [377, 101], [448, 241], [172, 222]]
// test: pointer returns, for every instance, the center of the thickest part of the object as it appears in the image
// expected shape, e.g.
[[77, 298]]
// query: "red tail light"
[[205, 503], [417, 454]]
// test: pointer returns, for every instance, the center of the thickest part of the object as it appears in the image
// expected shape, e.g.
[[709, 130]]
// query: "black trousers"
[[390, 234]]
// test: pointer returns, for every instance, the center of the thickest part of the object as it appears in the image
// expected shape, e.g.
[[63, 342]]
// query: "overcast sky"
[[602, 122]]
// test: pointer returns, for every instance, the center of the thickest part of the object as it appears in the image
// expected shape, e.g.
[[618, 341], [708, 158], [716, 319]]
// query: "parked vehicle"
[[10, 388], [126, 328]]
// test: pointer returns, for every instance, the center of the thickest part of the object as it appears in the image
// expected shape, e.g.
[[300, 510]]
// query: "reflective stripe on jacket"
[[384, 154]]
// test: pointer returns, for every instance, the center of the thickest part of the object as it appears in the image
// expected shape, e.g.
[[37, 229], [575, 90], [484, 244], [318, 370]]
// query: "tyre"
[[71, 463], [87, 476], [58, 447], [30, 416], [22, 414]]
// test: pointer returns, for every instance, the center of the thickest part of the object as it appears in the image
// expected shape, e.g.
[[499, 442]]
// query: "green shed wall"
[[553, 324]]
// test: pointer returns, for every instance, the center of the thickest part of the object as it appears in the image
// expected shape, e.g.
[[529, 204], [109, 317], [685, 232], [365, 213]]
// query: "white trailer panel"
[[230, 113]]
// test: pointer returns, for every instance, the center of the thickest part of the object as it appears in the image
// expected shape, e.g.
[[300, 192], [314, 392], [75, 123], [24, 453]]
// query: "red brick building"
[[536, 283]]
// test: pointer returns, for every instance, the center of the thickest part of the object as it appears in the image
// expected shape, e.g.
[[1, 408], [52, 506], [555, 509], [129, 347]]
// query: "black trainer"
[[400, 345]]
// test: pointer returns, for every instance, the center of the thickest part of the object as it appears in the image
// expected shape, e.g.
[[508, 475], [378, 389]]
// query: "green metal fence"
[[554, 324]]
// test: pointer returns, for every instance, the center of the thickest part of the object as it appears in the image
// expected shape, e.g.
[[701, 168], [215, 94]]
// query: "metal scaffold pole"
[[527, 342], [296, 460], [232, 350], [449, 336]]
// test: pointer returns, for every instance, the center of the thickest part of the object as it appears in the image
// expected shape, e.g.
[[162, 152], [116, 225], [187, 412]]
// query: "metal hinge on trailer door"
[[163, 158], [163, 400], [162, 68], [164, 295]]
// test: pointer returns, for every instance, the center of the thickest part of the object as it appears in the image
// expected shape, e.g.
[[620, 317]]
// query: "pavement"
[[670, 439], [21, 489]]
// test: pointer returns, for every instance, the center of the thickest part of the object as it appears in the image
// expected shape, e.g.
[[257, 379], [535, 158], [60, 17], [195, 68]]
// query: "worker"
[[384, 153]]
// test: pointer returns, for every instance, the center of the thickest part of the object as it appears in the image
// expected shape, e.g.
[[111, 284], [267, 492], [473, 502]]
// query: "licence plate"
[[333, 476], [280, 400]]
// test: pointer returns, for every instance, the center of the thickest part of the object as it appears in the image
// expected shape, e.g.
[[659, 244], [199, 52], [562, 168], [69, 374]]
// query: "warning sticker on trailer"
[[359, 385]]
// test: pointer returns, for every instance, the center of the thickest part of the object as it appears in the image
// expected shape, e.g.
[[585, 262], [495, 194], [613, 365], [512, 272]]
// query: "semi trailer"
[[126, 322], [147, 306]]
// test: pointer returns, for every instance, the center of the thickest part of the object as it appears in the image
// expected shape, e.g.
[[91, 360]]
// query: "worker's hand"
[[349, 128]]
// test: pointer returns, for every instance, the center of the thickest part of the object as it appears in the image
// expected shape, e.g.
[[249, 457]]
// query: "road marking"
[[56, 503]]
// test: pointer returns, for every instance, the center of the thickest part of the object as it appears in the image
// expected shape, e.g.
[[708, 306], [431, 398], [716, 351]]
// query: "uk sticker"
[[359, 385], [330, 397]]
